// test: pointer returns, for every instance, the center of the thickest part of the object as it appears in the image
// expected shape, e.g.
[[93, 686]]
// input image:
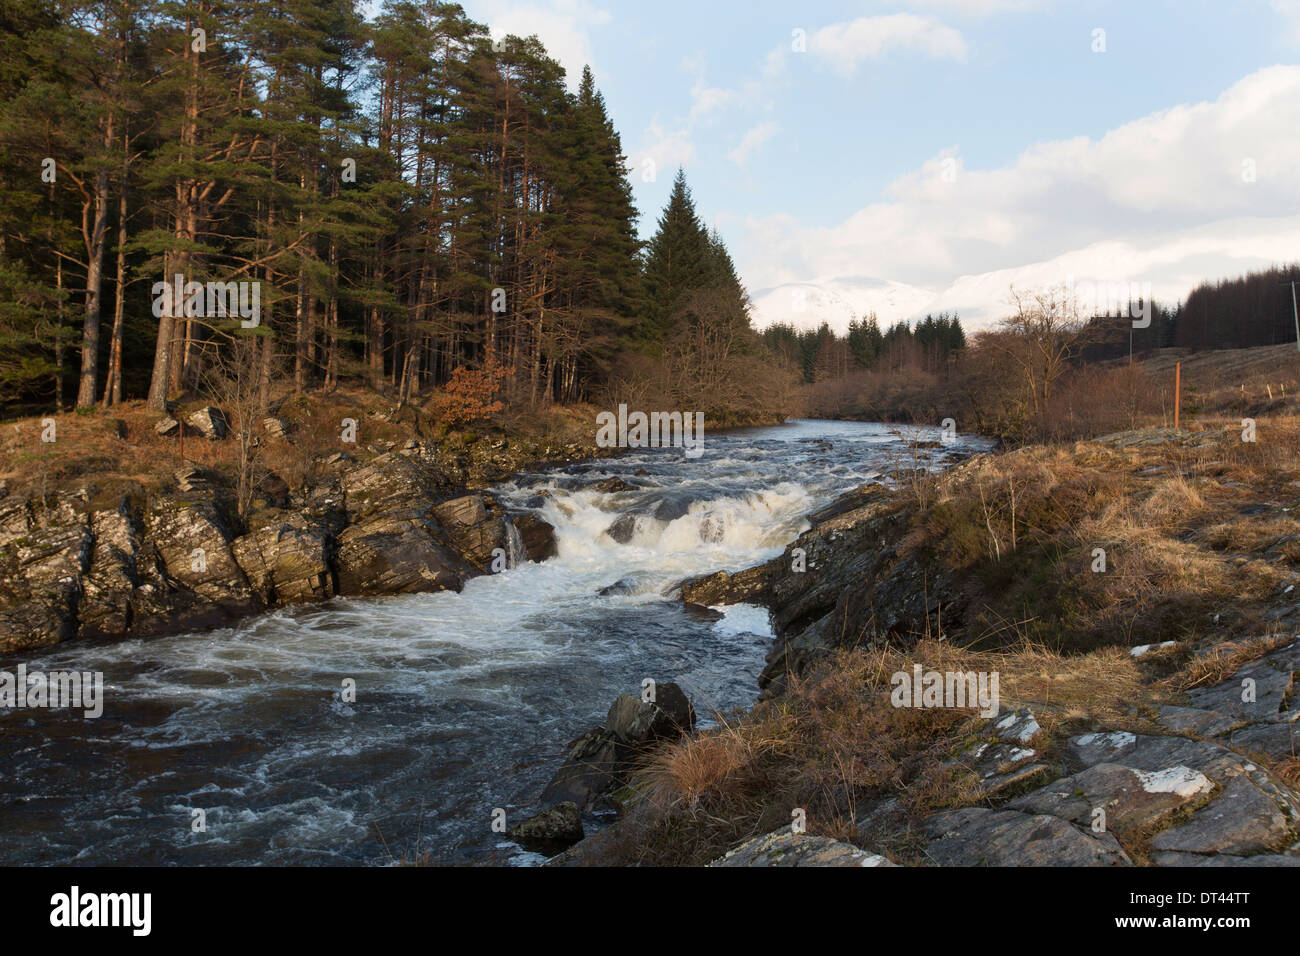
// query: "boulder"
[[167, 426], [551, 830], [590, 771], [211, 423], [537, 535], [396, 556], [611, 485], [1131, 799], [623, 528], [636, 722]]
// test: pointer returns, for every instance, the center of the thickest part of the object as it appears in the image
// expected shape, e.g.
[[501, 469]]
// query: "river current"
[[463, 702]]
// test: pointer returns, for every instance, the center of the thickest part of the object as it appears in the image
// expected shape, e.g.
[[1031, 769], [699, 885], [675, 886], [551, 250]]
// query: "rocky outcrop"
[[149, 562], [750, 586]]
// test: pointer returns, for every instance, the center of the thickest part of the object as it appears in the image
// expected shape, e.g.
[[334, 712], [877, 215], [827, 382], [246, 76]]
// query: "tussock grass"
[[834, 742]]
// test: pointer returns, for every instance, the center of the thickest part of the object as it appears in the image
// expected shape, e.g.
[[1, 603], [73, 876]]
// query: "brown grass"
[[835, 741]]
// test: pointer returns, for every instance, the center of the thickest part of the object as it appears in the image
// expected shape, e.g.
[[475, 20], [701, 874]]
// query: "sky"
[[918, 155]]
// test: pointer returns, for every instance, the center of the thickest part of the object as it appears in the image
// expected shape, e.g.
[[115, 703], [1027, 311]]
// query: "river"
[[463, 702]]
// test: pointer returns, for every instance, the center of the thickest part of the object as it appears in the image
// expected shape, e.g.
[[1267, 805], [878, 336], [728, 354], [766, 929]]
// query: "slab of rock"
[[785, 848], [977, 836], [550, 831], [1271, 688], [167, 426], [1241, 820], [211, 423], [1223, 859], [286, 563], [1276, 741], [1195, 721], [276, 427], [749, 586], [466, 510], [1130, 798]]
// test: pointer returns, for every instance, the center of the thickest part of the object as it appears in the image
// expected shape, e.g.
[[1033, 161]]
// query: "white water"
[[464, 701]]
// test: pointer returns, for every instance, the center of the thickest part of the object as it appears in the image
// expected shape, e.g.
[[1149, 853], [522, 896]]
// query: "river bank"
[[1125, 590], [114, 526]]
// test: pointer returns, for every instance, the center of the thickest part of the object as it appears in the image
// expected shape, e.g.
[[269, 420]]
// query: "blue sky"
[[924, 154]]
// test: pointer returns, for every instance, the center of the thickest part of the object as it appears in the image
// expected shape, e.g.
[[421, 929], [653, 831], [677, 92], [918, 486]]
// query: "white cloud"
[[563, 26], [661, 152], [1165, 198], [843, 46], [751, 141]]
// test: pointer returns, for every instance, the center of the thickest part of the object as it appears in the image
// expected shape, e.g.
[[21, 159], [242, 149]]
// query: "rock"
[[977, 836], [211, 423], [1020, 726], [785, 848], [1271, 689], [109, 583], [724, 587], [1130, 798], [464, 511], [1242, 820], [1275, 741], [286, 563], [1193, 720], [1002, 767], [637, 723], [537, 535], [276, 427], [611, 485], [623, 528], [1221, 860], [167, 426], [397, 556], [551, 830], [189, 576], [589, 772], [699, 612]]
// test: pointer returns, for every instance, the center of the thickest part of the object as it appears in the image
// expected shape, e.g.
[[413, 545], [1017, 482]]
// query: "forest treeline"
[[413, 200]]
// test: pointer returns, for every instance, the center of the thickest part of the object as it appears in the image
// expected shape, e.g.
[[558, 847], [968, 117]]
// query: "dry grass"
[[1223, 660], [834, 740]]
